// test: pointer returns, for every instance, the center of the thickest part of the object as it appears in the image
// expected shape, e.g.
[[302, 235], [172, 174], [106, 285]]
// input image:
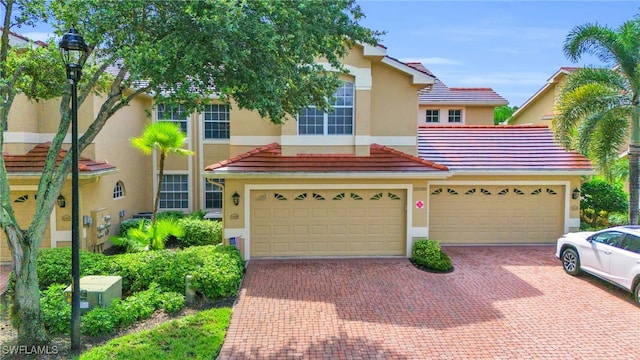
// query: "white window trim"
[[432, 122], [325, 118], [215, 140], [461, 116], [189, 189]]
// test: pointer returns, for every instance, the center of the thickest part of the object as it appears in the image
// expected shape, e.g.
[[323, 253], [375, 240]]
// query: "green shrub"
[[221, 276], [198, 215], [599, 195], [97, 321], [56, 310], [618, 218], [170, 214], [428, 253], [167, 268], [54, 265], [200, 232], [171, 302], [131, 224]]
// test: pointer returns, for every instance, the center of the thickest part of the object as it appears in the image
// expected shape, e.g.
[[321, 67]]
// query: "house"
[[539, 108], [366, 179]]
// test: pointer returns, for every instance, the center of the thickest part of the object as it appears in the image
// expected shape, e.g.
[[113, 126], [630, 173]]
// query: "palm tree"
[[167, 138], [598, 108]]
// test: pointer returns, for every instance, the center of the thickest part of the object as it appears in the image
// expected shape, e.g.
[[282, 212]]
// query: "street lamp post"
[[73, 49]]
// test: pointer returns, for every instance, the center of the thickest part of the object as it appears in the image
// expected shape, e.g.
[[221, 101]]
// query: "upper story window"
[[174, 114], [455, 116], [216, 121], [339, 121], [118, 190], [432, 116]]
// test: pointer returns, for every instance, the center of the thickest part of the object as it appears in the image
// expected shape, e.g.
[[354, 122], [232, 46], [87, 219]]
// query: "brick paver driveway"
[[499, 303]]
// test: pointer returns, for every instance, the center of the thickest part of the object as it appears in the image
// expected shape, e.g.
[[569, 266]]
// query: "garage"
[[496, 214], [328, 222]]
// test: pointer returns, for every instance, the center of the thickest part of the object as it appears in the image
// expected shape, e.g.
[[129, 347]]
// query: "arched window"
[[118, 190]]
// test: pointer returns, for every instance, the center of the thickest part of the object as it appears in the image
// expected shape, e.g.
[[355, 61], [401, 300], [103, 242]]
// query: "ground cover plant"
[[198, 336]]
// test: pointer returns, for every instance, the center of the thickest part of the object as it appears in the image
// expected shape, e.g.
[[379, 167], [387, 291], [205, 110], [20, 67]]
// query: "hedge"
[[427, 253], [217, 270]]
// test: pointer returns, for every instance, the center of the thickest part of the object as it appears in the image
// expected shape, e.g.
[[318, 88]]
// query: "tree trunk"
[[634, 155], [26, 313], [159, 190]]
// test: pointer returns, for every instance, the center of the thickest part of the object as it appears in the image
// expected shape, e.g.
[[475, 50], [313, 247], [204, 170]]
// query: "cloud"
[[432, 61]]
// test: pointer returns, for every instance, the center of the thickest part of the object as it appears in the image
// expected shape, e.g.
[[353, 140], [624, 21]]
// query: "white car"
[[612, 254]]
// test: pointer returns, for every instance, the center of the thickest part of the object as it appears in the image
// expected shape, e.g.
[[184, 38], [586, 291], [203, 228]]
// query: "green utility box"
[[97, 290]]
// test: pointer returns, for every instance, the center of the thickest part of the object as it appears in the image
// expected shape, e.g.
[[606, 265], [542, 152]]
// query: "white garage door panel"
[[496, 214], [327, 222]]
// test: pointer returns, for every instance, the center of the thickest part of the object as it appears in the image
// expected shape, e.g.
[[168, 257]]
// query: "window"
[[174, 114], [118, 190], [174, 193], [432, 116], [213, 194], [216, 121], [609, 237], [631, 243], [339, 121], [455, 116]]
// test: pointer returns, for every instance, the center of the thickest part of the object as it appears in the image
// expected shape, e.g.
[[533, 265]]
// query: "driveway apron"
[[499, 303]]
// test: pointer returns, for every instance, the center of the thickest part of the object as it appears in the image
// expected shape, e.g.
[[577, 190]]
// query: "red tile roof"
[[269, 159], [442, 94], [498, 148], [33, 161]]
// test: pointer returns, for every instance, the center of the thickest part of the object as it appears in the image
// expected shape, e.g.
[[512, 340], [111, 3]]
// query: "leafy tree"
[[598, 108], [167, 138], [260, 53], [503, 113]]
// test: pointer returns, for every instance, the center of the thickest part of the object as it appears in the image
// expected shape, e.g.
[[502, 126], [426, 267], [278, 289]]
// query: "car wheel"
[[571, 261], [636, 293]]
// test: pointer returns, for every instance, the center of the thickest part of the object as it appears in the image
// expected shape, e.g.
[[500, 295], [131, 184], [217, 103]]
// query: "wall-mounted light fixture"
[[575, 195], [236, 198], [62, 202]]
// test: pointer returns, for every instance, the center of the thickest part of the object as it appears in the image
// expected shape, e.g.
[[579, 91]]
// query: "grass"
[[198, 336]]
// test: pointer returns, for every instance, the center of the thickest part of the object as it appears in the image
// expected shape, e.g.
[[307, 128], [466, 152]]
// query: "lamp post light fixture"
[[73, 49]]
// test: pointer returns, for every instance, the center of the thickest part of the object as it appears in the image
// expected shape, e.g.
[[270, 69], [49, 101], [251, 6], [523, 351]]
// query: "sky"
[[512, 46]]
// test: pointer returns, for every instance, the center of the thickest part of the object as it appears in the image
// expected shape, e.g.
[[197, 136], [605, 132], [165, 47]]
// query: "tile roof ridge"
[[375, 146], [471, 89]]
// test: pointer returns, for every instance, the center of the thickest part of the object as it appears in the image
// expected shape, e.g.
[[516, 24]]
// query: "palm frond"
[[590, 39]]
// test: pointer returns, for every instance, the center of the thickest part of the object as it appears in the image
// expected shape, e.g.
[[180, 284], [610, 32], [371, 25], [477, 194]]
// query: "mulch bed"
[[424, 268]]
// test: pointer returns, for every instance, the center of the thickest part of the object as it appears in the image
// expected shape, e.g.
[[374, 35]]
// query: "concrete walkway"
[[499, 303]]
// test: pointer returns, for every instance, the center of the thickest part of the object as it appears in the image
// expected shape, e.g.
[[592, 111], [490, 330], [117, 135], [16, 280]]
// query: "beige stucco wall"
[[394, 103], [23, 116], [536, 110]]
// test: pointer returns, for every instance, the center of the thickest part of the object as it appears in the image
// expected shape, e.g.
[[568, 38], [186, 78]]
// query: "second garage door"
[[496, 214], [327, 222]]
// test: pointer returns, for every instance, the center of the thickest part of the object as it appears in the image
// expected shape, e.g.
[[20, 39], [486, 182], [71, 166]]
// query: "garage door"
[[327, 222], [496, 214], [24, 204]]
